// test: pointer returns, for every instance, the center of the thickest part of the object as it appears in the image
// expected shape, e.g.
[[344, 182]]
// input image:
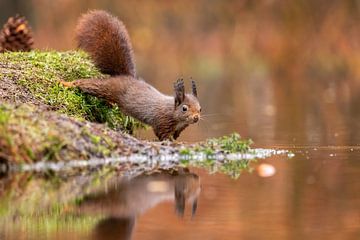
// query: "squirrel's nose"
[[196, 118]]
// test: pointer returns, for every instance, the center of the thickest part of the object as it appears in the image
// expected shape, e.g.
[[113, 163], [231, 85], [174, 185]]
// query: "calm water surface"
[[314, 195]]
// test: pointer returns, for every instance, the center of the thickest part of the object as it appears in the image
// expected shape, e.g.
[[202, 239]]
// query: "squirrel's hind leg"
[[67, 84], [76, 83], [102, 88], [81, 83]]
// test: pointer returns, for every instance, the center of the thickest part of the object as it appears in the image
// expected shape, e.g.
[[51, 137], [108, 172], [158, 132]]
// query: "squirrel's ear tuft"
[[193, 87], [179, 89]]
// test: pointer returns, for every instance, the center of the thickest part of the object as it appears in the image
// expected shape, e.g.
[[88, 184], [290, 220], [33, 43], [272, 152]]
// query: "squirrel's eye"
[[185, 108], [200, 110]]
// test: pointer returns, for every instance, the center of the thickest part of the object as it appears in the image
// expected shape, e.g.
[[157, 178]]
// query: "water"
[[313, 195]]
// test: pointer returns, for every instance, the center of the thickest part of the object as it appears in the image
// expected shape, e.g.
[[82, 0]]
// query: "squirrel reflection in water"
[[124, 200]]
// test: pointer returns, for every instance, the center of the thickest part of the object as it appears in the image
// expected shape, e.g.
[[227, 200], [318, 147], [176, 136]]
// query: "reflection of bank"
[[124, 200]]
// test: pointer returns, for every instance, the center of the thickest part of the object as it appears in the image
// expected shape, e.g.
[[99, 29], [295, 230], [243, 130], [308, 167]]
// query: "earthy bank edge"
[[42, 121], [29, 134]]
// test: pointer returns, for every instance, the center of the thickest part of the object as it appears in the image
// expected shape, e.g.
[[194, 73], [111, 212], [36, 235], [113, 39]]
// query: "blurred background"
[[284, 73], [278, 72]]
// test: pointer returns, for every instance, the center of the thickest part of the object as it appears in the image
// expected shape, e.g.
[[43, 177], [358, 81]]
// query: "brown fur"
[[105, 38]]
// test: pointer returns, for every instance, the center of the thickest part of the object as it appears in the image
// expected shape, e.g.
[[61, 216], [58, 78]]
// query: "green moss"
[[29, 135], [185, 151], [40, 72], [232, 168], [235, 168], [4, 115], [232, 143], [227, 145]]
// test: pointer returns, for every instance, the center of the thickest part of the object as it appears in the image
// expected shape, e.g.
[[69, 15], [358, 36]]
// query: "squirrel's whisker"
[[205, 124], [212, 114], [202, 119]]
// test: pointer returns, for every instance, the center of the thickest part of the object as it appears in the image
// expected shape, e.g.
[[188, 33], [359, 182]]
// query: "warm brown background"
[[285, 73], [275, 71]]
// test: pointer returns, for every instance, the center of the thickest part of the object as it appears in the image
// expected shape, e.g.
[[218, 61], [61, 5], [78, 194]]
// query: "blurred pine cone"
[[16, 35]]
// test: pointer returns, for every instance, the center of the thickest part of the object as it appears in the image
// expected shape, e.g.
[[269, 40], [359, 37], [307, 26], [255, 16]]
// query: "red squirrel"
[[105, 38]]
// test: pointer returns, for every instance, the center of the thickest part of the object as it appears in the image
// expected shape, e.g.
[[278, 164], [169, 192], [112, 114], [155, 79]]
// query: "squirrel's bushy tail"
[[107, 41]]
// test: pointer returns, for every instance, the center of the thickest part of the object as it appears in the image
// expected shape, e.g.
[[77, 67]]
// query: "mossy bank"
[[29, 134], [33, 77], [42, 121]]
